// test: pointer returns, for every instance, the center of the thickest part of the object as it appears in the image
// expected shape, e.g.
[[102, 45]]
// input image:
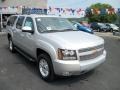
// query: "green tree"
[[99, 17]]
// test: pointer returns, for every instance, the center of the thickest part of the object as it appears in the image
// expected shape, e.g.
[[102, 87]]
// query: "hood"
[[73, 39], [115, 27]]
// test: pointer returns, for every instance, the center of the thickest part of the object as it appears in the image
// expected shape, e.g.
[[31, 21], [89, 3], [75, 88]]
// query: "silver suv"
[[55, 44]]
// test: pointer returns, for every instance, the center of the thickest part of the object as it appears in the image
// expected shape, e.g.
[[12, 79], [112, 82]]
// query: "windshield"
[[53, 24], [101, 24]]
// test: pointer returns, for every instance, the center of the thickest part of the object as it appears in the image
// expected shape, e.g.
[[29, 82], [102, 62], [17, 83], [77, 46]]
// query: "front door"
[[29, 38]]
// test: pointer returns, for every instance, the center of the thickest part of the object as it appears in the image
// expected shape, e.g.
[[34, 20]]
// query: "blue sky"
[[81, 3]]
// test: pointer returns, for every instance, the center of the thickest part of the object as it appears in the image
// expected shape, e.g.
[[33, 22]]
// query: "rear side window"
[[11, 21], [20, 22]]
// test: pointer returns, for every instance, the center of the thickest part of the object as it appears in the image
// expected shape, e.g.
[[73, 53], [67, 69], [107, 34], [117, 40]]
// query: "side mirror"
[[75, 25], [27, 29]]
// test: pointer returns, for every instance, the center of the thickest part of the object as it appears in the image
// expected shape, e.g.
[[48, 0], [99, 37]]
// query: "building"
[[27, 3], [10, 7]]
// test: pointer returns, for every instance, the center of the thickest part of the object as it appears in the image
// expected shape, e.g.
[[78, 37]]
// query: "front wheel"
[[45, 67], [113, 32]]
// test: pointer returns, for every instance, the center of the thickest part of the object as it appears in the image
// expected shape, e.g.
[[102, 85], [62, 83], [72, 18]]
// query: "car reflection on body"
[[82, 28]]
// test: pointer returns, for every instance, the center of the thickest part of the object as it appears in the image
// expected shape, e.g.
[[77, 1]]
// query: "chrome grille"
[[91, 48], [91, 56]]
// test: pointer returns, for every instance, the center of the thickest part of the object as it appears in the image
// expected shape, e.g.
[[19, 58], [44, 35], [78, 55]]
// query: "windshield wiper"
[[69, 29], [51, 31]]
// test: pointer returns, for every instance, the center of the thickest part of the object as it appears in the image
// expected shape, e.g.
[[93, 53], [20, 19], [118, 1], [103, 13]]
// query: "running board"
[[25, 55]]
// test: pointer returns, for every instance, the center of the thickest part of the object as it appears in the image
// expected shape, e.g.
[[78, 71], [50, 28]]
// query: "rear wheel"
[[111, 30], [11, 45], [45, 67]]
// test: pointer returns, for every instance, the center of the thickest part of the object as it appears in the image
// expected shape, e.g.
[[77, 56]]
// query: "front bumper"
[[116, 30], [77, 67]]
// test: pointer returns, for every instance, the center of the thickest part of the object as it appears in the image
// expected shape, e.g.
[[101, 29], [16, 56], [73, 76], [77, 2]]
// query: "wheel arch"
[[40, 51], [8, 36]]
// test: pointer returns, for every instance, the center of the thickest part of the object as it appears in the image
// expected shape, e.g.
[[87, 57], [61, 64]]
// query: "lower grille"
[[91, 56]]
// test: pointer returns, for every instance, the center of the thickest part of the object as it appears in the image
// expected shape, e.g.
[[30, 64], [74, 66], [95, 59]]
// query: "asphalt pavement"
[[17, 73]]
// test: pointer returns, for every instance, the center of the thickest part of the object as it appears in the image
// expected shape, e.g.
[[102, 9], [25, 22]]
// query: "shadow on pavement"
[[60, 80]]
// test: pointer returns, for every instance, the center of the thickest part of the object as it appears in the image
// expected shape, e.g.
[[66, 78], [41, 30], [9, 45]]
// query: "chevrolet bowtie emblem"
[[94, 51]]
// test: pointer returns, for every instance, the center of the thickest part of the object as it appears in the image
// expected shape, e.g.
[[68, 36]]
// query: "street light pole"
[[1, 26], [118, 15]]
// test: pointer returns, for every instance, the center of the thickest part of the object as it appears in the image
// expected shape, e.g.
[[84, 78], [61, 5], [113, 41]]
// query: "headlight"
[[116, 28], [64, 54]]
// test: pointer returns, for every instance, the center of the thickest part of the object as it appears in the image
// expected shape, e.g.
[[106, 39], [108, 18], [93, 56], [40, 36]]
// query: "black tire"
[[111, 30], [105, 30], [51, 76], [11, 45]]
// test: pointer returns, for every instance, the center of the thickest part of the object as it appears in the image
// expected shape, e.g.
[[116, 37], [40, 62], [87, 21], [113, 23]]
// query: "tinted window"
[[29, 22], [11, 21], [20, 22]]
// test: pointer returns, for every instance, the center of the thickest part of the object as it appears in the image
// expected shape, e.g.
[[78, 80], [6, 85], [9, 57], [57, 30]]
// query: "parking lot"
[[17, 73]]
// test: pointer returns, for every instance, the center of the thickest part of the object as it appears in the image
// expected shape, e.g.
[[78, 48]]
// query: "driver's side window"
[[29, 23]]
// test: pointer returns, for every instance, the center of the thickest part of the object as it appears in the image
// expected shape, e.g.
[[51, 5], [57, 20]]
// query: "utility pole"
[[0, 23], [1, 26], [118, 15], [119, 19]]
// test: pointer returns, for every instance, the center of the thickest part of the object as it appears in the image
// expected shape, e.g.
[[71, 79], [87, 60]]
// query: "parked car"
[[85, 23], [112, 27], [116, 33], [55, 44], [118, 25], [99, 27], [82, 28]]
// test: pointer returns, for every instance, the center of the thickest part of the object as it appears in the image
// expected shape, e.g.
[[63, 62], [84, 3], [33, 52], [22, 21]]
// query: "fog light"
[[66, 74]]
